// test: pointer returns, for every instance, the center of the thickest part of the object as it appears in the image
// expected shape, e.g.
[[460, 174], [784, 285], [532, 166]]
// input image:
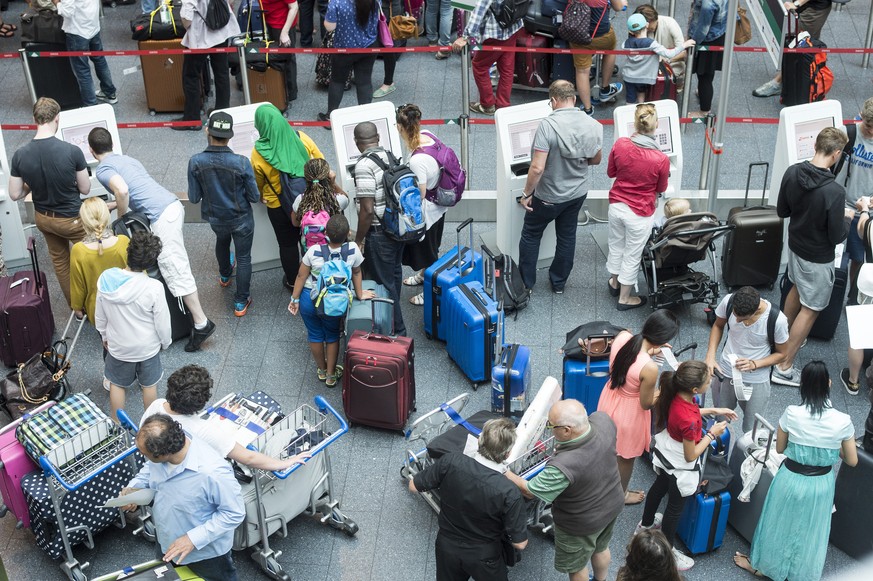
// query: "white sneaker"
[[683, 561], [101, 96], [769, 89], [790, 377], [656, 524], [106, 384]]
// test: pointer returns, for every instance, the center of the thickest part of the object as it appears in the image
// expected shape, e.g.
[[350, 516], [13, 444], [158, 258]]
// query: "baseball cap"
[[636, 22], [220, 125]]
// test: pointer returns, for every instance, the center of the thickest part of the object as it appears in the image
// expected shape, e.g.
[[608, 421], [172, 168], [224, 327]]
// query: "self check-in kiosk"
[[516, 128], [75, 125], [14, 248], [343, 122]]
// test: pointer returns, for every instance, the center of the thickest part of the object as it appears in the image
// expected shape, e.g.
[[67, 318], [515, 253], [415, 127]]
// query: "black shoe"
[[627, 307], [558, 291], [324, 117], [187, 128], [613, 292], [287, 284], [198, 336]]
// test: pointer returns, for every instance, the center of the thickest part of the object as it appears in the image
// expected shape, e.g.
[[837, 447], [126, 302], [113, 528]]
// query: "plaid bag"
[[45, 431]]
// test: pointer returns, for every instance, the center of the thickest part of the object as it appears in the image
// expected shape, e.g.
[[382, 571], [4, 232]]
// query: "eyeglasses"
[[552, 426]]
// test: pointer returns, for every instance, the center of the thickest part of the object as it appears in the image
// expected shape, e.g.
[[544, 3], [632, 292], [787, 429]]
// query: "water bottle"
[[165, 14]]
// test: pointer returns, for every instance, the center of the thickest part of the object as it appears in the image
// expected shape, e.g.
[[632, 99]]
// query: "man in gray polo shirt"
[[566, 143]]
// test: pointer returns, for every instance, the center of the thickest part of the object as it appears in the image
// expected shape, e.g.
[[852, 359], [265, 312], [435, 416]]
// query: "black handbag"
[[717, 473], [596, 337], [35, 381], [42, 26]]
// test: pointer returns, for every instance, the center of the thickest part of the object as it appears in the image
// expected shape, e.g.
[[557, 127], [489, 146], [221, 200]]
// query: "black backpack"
[[505, 283], [508, 12], [848, 150], [772, 317], [217, 14]]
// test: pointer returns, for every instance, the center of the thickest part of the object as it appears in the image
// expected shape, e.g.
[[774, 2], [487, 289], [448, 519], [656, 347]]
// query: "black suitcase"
[[744, 516], [850, 523], [825, 325], [752, 251], [800, 71], [53, 76], [563, 68], [540, 17]]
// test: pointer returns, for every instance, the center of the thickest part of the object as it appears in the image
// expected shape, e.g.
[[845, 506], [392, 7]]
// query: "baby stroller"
[[680, 242]]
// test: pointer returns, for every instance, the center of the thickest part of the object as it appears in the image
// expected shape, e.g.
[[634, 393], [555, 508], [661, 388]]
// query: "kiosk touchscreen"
[[14, 248], [343, 122], [516, 128], [74, 126], [668, 137]]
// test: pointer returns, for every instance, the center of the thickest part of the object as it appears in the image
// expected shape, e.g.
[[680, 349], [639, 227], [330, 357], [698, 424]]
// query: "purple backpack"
[[453, 178]]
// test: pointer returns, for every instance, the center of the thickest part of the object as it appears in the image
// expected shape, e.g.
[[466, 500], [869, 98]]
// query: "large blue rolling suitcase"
[[458, 265], [585, 380], [704, 521], [511, 374], [474, 330]]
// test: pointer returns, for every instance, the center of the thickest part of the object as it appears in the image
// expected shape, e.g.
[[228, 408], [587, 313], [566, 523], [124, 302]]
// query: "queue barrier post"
[[244, 73], [707, 153], [464, 117], [868, 43], [686, 84], [28, 78]]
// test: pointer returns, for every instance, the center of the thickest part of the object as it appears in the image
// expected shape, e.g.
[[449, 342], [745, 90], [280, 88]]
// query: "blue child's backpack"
[[332, 293]]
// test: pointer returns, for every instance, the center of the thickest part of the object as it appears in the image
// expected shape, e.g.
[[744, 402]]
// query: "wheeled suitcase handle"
[[461, 271], [766, 165], [375, 300], [760, 421], [34, 262]]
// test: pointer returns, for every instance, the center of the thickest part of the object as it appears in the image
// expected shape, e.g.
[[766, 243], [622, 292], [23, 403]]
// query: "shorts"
[[318, 329], [125, 374], [572, 553], [813, 20], [814, 281], [605, 42], [854, 245], [173, 260]]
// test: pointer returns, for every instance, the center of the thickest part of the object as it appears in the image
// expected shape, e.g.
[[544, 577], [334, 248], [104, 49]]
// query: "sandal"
[[332, 379], [417, 300], [738, 557], [416, 279], [6, 32], [322, 374]]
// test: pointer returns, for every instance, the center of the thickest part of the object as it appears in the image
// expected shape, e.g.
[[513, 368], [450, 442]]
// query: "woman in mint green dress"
[[791, 539]]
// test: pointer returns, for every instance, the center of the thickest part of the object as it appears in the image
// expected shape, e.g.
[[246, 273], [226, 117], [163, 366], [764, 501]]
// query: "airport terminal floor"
[[266, 349]]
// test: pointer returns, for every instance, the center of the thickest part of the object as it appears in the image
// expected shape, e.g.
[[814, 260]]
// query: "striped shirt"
[[482, 25], [368, 182]]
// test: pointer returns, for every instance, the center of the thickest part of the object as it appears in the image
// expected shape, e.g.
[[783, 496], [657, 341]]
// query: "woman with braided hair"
[[322, 199]]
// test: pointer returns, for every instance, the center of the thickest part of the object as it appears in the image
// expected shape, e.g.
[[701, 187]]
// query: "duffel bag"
[[150, 27]]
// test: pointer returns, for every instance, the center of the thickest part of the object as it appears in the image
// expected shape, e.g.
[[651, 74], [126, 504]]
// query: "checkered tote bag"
[[45, 431]]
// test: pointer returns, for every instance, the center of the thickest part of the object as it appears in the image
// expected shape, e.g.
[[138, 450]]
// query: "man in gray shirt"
[[566, 143]]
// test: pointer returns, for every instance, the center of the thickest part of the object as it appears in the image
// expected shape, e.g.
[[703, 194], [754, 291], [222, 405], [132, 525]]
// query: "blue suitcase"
[[458, 265], [583, 381], [474, 330], [703, 521], [514, 370], [563, 68]]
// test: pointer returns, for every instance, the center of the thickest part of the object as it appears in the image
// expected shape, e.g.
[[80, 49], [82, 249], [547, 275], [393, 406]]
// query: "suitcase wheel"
[[429, 336]]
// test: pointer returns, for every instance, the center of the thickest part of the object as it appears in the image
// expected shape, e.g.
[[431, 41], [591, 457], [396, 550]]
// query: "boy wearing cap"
[[226, 183], [641, 71]]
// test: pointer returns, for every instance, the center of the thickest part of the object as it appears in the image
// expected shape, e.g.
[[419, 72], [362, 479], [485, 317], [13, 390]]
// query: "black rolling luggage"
[[850, 523], [752, 251], [825, 325], [53, 76], [745, 514], [806, 77]]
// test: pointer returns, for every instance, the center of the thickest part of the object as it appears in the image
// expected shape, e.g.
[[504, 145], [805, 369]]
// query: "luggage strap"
[[713, 527], [456, 417]]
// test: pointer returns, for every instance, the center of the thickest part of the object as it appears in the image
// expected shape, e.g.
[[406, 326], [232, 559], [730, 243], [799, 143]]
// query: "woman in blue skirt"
[[791, 539]]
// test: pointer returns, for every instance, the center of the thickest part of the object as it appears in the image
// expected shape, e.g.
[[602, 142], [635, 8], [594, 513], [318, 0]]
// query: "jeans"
[[289, 63], [439, 10], [192, 81], [565, 216], [83, 70], [665, 485], [149, 6], [383, 263], [362, 64], [288, 238], [242, 233], [59, 234], [631, 90], [456, 562], [215, 569], [307, 12], [482, 61], [724, 396]]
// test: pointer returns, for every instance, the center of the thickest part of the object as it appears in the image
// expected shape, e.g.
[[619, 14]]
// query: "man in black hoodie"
[[819, 221]]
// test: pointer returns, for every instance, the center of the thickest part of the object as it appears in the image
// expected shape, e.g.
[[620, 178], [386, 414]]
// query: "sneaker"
[[478, 107], [683, 561], [656, 524], [769, 89], [380, 92], [111, 99], [240, 309], [198, 336], [609, 94], [589, 112], [324, 118], [106, 384], [224, 281], [852, 387], [790, 377]]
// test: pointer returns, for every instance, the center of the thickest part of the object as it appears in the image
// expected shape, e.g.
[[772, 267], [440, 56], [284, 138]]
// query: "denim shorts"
[[125, 374], [318, 329], [814, 281], [854, 246]]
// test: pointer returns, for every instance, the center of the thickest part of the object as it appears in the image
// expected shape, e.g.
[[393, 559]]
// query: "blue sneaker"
[[608, 94]]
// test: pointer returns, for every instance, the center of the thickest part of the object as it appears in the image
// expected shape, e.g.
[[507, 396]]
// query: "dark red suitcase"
[[665, 85], [26, 320], [532, 69], [379, 379]]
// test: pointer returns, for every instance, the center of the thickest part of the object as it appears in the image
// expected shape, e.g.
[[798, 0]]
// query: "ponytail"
[[688, 376], [623, 361], [660, 327], [665, 399]]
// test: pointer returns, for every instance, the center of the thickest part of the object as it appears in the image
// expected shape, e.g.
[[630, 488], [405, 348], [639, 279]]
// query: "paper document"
[[742, 391], [860, 319], [471, 446], [669, 359], [141, 496]]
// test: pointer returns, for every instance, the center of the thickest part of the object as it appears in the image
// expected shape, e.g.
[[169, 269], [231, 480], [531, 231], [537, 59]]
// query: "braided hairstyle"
[[409, 124], [319, 194], [94, 215]]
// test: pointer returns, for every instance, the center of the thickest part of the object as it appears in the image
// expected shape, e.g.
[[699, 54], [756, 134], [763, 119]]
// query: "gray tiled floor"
[[266, 349]]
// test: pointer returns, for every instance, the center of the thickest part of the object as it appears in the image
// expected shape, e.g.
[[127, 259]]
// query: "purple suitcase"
[[26, 320]]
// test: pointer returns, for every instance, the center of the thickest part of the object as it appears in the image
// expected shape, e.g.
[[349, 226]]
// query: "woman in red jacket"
[[640, 170]]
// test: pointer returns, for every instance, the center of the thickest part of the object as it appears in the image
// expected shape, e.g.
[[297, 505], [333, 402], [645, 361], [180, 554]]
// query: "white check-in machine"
[[795, 139], [75, 125], [343, 122], [265, 250], [516, 128], [668, 136], [14, 248]]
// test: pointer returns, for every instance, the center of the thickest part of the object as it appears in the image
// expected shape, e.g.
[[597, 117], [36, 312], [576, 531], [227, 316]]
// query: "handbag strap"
[[24, 395]]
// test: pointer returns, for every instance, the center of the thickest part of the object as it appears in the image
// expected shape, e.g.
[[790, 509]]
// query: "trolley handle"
[[51, 470], [126, 422], [325, 408], [760, 421]]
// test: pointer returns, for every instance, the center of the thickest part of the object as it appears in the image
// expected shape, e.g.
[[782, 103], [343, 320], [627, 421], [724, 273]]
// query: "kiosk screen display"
[[663, 134], [244, 137], [352, 153], [805, 133], [78, 136], [521, 137]]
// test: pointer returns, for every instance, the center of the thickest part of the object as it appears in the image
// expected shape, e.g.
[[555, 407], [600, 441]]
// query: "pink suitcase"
[[15, 464]]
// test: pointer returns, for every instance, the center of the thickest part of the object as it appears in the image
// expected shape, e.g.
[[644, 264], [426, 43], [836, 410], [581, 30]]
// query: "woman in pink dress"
[[630, 394]]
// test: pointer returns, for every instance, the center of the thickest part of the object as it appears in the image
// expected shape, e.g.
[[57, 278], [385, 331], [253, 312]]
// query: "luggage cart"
[[445, 417], [76, 462]]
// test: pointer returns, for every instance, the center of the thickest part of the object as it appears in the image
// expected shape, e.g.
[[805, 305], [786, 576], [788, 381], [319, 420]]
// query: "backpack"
[[312, 226], [250, 17], [332, 293], [453, 178], [848, 152], [507, 285], [576, 22], [403, 219], [772, 317], [290, 188], [508, 12], [217, 14]]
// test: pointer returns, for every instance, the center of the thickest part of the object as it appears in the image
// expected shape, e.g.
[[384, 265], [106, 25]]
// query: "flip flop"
[[6, 33], [7, 26], [641, 494], [738, 556]]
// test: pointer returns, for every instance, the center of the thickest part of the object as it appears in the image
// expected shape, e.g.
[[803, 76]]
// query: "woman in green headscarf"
[[280, 149]]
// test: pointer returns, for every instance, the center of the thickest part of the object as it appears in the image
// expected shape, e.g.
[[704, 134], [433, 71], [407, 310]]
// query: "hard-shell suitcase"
[[704, 521], [26, 320], [459, 265], [361, 313], [825, 325], [532, 68], [563, 68], [850, 523], [540, 17], [665, 85], [584, 381], [455, 438], [15, 464], [379, 378], [512, 375], [268, 86], [162, 76], [474, 330], [753, 249], [744, 516], [53, 76]]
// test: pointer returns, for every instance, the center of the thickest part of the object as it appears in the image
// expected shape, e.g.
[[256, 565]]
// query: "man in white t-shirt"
[[758, 340]]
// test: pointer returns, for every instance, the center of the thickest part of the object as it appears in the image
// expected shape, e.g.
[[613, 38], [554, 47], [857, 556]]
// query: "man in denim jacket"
[[225, 182]]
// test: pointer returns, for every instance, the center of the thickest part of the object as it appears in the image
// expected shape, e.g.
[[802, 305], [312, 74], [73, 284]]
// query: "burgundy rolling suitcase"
[[532, 69], [665, 85], [379, 378], [26, 320]]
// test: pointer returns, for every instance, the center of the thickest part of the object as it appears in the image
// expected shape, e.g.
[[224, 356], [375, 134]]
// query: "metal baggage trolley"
[[447, 416], [75, 463]]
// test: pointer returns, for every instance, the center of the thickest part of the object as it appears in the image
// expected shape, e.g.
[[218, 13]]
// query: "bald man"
[[581, 481]]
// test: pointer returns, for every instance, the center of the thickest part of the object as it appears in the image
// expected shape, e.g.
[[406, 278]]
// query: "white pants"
[[173, 259], [628, 234]]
